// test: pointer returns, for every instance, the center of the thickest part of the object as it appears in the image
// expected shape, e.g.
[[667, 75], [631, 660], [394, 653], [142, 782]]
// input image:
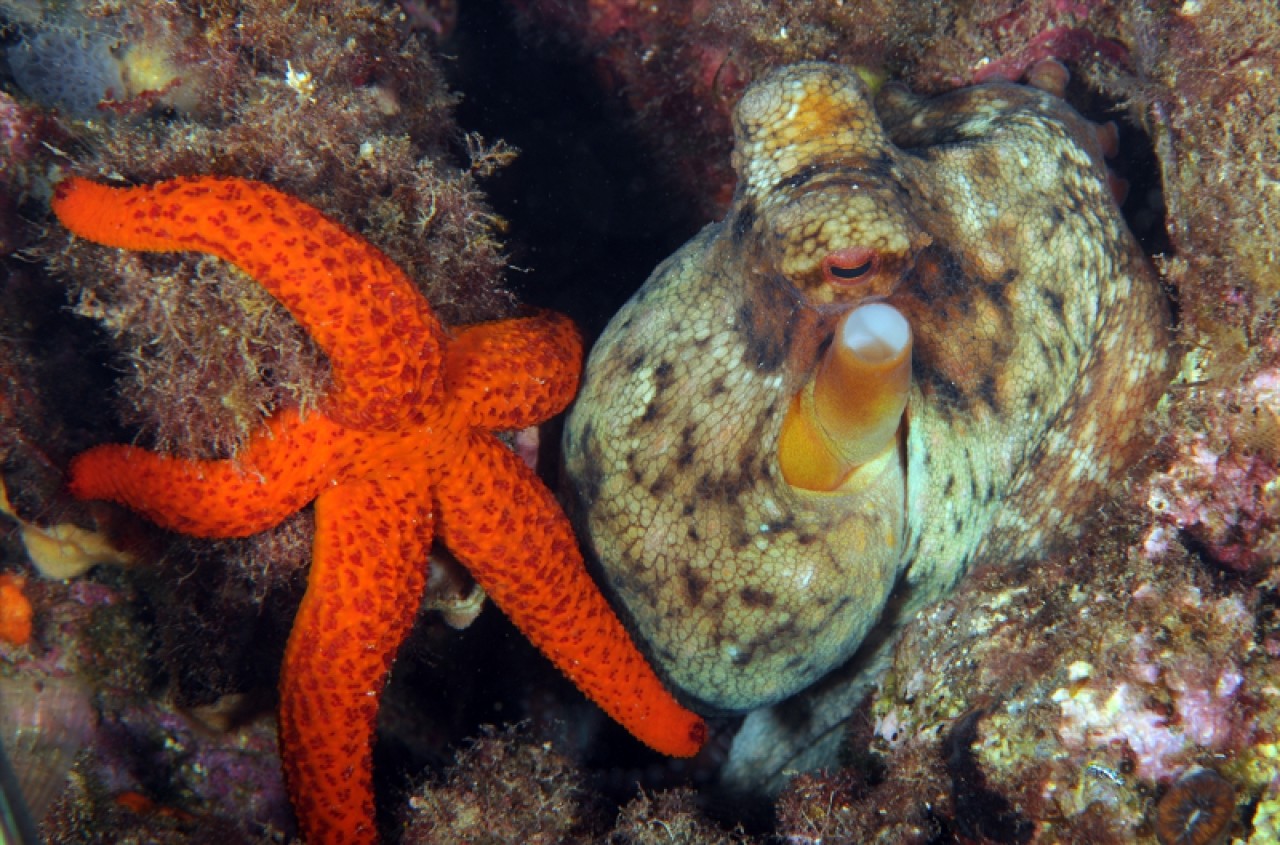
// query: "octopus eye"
[[850, 265]]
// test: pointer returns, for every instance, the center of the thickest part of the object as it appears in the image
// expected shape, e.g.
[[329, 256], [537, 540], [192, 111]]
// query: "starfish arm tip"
[[282, 469], [80, 205], [674, 731], [515, 373]]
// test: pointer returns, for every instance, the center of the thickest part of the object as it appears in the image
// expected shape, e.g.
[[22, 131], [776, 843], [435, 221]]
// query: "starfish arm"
[[511, 374], [505, 526], [363, 592], [380, 334], [282, 468]]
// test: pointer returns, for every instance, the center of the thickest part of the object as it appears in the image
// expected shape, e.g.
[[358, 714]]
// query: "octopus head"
[[736, 444]]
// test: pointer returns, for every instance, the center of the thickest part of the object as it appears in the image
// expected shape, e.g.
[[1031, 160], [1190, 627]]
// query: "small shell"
[[1197, 810], [44, 722]]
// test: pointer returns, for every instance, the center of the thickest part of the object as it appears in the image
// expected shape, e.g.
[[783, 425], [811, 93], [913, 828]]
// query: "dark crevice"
[[1135, 162], [589, 216]]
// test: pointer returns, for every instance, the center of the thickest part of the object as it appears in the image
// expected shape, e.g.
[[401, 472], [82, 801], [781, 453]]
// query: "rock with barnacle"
[[922, 335]]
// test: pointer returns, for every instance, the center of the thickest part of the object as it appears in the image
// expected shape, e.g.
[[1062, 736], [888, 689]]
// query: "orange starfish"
[[403, 446]]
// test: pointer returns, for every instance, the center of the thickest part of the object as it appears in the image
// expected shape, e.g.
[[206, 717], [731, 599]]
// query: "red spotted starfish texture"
[[403, 448]]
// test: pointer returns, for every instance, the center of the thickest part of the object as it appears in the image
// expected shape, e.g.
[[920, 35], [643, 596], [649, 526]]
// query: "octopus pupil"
[[848, 273]]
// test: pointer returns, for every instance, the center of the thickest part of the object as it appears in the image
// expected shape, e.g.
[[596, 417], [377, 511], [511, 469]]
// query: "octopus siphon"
[[922, 336]]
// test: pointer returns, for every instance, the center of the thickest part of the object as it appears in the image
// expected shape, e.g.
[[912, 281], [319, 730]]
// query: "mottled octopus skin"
[[1040, 344], [402, 448]]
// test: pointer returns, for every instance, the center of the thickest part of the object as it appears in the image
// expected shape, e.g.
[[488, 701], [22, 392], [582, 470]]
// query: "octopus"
[[922, 336]]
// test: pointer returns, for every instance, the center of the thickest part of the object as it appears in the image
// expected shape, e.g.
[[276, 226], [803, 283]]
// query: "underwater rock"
[[1038, 338]]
